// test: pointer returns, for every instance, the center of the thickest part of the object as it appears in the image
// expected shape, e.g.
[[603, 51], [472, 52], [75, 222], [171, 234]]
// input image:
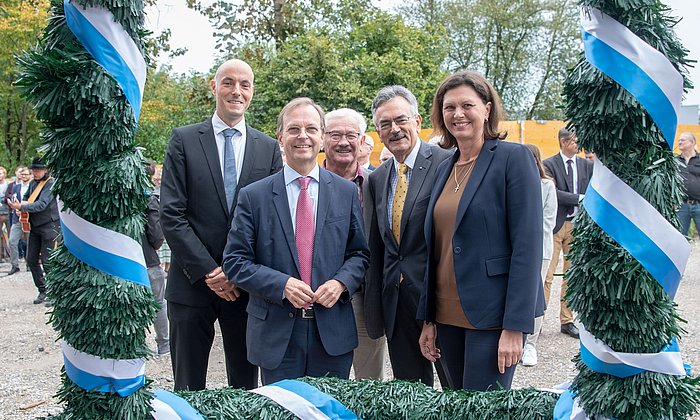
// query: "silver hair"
[[343, 113], [390, 92], [688, 134]]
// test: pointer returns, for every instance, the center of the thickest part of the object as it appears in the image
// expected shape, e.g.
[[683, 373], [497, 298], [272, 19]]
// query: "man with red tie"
[[297, 246]]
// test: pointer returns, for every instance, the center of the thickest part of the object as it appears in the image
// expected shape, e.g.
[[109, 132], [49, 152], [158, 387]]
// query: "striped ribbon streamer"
[[636, 225], [639, 68], [568, 408], [93, 373], [106, 250], [305, 401], [602, 359], [168, 406], [111, 47]]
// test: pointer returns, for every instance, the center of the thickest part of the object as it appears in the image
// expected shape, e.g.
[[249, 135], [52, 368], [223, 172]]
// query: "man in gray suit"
[[400, 190], [571, 175], [205, 167]]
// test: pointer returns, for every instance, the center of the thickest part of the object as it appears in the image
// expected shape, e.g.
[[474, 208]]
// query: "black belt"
[[305, 313]]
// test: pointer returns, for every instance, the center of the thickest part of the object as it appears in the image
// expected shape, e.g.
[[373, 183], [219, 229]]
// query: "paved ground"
[[30, 358]]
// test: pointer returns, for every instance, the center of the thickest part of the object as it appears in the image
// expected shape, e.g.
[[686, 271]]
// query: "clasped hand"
[[299, 294], [219, 284]]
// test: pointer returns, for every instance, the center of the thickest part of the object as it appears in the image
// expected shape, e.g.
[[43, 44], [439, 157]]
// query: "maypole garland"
[[87, 82]]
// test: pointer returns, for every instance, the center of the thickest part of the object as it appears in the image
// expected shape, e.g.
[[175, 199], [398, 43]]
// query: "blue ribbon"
[[90, 382], [328, 405], [182, 408], [111, 264]]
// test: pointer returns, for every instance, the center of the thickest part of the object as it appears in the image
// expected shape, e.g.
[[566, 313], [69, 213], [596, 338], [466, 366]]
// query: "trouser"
[[562, 242], [470, 358], [192, 336], [42, 240], [15, 236], [686, 212], [369, 356], [306, 356], [156, 275], [4, 230], [532, 338]]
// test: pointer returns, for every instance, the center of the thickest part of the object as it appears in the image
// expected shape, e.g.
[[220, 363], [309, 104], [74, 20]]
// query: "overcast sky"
[[192, 31]]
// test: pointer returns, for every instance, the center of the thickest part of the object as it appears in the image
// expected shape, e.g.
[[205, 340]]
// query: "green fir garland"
[[89, 146], [616, 298], [90, 149]]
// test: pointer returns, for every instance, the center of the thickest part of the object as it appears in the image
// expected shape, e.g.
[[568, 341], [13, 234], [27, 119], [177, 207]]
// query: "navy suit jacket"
[[566, 199], [497, 242], [261, 255]]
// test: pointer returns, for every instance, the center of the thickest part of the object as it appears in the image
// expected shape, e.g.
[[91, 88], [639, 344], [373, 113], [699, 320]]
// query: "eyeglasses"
[[296, 131], [336, 136], [400, 120]]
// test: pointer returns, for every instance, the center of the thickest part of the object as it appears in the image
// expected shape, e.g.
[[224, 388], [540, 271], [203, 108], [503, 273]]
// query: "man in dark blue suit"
[[297, 246]]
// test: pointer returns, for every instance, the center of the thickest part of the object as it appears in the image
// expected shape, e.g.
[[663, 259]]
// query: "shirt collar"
[[219, 125], [358, 174], [411, 159], [290, 174], [565, 158]]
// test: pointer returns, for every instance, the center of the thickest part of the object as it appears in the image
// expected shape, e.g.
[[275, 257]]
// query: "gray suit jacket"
[[566, 199], [388, 261], [194, 213]]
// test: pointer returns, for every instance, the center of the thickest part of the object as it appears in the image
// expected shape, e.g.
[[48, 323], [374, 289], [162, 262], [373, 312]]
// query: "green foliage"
[[169, 102], [615, 297], [89, 146], [524, 48], [383, 400]]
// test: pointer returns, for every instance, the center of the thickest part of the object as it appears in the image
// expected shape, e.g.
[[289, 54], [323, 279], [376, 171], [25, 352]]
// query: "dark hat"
[[37, 164]]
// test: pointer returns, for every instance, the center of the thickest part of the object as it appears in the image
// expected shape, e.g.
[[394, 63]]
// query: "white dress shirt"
[[575, 177], [293, 189], [238, 142]]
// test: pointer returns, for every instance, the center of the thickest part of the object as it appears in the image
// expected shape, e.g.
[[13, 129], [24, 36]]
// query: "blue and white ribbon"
[[602, 359], [305, 401], [93, 373], [567, 408], [106, 250], [111, 47], [636, 225], [639, 68], [168, 406]]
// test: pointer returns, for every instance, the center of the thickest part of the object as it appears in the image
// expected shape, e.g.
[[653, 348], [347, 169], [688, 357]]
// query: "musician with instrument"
[[41, 215]]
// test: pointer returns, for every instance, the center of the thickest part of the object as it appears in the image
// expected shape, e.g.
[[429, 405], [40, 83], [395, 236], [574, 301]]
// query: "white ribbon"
[[642, 70], [305, 401], [168, 406], [103, 249]]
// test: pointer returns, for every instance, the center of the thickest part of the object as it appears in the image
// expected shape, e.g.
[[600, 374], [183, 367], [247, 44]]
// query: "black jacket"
[[153, 233], [44, 209]]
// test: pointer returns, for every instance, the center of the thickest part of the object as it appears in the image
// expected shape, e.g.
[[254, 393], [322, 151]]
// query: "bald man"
[[690, 171], [205, 166], [365, 152]]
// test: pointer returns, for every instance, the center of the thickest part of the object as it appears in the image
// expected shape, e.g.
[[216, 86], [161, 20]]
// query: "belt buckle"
[[307, 313]]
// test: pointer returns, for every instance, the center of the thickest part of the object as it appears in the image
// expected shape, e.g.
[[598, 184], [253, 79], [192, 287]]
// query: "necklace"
[[471, 165]]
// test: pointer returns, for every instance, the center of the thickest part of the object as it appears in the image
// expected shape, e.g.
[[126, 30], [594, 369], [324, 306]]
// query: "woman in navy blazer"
[[484, 233]]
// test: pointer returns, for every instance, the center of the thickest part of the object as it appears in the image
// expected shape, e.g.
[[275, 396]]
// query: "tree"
[[523, 48], [21, 23]]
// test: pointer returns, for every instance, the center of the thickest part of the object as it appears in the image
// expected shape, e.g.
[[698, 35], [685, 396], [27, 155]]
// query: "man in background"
[[15, 193], [690, 171], [365, 152]]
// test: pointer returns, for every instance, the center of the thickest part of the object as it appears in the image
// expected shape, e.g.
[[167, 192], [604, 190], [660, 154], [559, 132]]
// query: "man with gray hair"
[[342, 141], [690, 171], [399, 190]]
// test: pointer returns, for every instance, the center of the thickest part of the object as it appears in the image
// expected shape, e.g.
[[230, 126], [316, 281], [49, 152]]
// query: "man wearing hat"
[[41, 205]]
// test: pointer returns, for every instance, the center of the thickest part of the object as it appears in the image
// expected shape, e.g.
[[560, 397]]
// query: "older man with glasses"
[[342, 142]]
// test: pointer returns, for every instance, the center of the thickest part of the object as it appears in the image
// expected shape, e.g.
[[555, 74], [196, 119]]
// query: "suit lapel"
[[382, 195], [279, 199], [248, 157], [582, 180], [418, 175], [325, 192], [211, 153], [483, 161]]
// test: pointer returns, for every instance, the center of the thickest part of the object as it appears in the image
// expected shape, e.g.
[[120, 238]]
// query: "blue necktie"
[[230, 181]]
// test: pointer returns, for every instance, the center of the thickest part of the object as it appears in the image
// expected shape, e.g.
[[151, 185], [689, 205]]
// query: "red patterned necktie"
[[305, 230]]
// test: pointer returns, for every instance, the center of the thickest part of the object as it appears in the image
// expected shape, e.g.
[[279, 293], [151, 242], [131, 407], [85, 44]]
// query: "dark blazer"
[[261, 255], [152, 238], [566, 199], [194, 214], [388, 260], [497, 240], [44, 209]]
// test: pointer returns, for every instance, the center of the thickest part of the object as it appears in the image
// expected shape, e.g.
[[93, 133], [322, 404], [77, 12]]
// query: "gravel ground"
[[30, 358]]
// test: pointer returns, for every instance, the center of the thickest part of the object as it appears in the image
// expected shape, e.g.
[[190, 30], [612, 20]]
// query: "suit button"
[[458, 250], [291, 314]]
